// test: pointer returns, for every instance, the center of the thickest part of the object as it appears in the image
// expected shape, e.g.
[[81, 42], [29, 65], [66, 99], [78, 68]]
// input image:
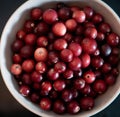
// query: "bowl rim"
[[2, 65]]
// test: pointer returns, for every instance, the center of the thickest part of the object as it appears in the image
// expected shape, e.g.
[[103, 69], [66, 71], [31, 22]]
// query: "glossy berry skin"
[[20, 34], [89, 43], [68, 74], [73, 107], [79, 83], [46, 86], [86, 103], [59, 85], [24, 90], [41, 67], [97, 18], [50, 16], [100, 36], [86, 90], [89, 77], [16, 69], [60, 67], [45, 104], [42, 41], [36, 13], [106, 50], [75, 48]]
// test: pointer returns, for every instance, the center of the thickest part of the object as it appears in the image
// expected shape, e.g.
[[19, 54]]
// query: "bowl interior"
[[16, 21]]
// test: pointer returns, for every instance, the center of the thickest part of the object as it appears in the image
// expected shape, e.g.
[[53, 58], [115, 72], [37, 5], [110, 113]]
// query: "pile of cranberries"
[[65, 57]]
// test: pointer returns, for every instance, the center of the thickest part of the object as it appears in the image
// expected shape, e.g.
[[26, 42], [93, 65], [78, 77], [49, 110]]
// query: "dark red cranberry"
[[86, 90], [16, 58], [45, 103], [89, 43], [20, 34], [106, 50], [79, 30], [26, 79], [53, 94], [59, 85], [35, 97], [36, 86], [100, 36], [60, 5], [24, 90], [59, 107], [51, 37], [97, 18], [46, 86], [36, 13], [68, 74], [60, 67], [115, 51], [98, 74], [41, 67], [113, 60], [75, 92], [88, 24], [106, 68], [68, 37], [73, 107], [86, 103], [79, 83], [42, 41], [113, 39], [78, 73], [115, 71]]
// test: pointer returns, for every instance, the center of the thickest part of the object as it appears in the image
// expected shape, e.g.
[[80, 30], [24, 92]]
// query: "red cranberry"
[[88, 11], [26, 79], [78, 39], [89, 24], [17, 45], [52, 74], [113, 39], [68, 74], [71, 24], [86, 90], [42, 41], [73, 107], [104, 28], [46, 86], [74, 8], [64, 13], [89, 77], [66, 55], [110, 79], [68, 37], [60, 67], [59, 85], [16, 69], [115, 71], [40, 54], [36, 77], [60, 44], [79, 16], [45, 103], [75, 64], [98, 73], [89, 43], [115, 51], [20, 34], [97, 61], [100, 36], [86, 103], [78, 73], [75, 48], [59, 107], [99, 86], [24, 90], [41, 67], [35, 97], [106, 50], [85, 58], [91, 32], [26, 51], [67, 95], [53, 94], [36, 13], [79, 30], [97, 18], [59, 29], [106, 68], [97, 52], [79, 83], [51, 37], [75, 92], [36, 86], [113, 60], [50, 16], [16, 58]]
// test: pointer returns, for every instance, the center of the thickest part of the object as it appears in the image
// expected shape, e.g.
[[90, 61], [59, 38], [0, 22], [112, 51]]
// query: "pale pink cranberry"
[[16, 69]]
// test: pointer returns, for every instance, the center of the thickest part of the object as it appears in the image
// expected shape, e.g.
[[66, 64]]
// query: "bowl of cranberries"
[[61, 58]]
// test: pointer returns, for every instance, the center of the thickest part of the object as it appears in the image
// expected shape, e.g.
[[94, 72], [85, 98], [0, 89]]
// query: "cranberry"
[[51, 37], [45, 103], [16, 69], [26, 51], [85, 58], [50, 16], [100, 36], [24, 90], [59, 107], [99, 86], [110, 79], [40, 54], [98, 73], [88, 11], [75, 48], [36, 77], [97, 61], [66, 55], [60, 44], [53, 94], [75, 64], [79, 83], [115, 51], [104, 28], [71, 24], [36, 13], [86, 90], [113, 39], [35, 97], [74, 8], [59, 29], [97, 18], [113, 60], [91, 32], [73, 107], [16, 58], [115, 71], [75, 92], [26, 79], [89, 24], [60, 67], [78, 73], [64, 13], [41, 67], [36, 86], [46, 86], [106, 68], [89, 77], [106, 50], [42, 41], [79, 30], [97, 52], [89, 43], [28, 65], [67, 95], [79, 16], [20, 34], [68, 74], [68, 37], [17, 45], [86, 103], [59, 85], [52, 74]]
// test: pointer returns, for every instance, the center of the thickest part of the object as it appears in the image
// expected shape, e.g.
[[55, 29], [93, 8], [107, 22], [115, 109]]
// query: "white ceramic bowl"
[[16, 21]]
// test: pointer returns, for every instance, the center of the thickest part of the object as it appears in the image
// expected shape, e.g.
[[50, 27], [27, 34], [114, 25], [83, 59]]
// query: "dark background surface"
[[9, 107]]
